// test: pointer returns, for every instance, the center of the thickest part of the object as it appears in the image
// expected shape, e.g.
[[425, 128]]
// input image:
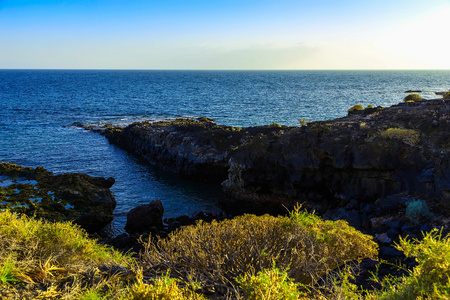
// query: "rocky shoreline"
[[368, 168], [84, 200], [329, 163], [383, 170]]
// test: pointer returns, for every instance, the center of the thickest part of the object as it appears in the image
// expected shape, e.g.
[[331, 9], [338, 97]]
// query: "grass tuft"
[[408, 136], [413, 97]]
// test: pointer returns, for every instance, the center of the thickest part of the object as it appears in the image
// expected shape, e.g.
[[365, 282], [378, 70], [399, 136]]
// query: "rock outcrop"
[[197, 148], [144, 218], [85, 200], [368, 155]]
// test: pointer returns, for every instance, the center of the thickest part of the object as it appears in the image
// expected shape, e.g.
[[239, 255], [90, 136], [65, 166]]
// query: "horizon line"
[[125, 69]]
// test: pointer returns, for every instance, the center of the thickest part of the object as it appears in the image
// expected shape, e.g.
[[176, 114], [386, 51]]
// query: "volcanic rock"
[[80, 198]]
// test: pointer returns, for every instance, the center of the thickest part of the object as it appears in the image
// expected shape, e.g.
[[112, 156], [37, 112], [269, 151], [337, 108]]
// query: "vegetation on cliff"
[[413, 97]]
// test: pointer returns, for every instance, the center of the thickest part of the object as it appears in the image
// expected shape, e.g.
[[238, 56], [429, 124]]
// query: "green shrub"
[[269, 284], [409, 136], [303, 122], [430, 279], [369, 106], [91, 295], [8, 270], [447, 95], [33, 250], [413, 97], [220, 252], [417, 210], [161, 288], [356, 107], [275, 125]]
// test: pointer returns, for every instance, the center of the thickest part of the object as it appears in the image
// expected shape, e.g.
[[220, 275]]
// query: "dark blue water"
[[39, 108]]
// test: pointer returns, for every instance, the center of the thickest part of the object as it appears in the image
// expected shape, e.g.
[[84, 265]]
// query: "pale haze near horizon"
[[224, 35]]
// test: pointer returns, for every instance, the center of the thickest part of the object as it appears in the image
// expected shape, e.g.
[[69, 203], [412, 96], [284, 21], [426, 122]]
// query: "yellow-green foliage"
[[162, 288], [248, 257], [430, 279], [37, 252], [219, 252], [447, 95], [303, 122], [413, 97], [407, 135], [269, 284], [356, 107]]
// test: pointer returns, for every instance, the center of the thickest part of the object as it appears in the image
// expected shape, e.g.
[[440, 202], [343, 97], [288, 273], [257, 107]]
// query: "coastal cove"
[[372, 163], [40, 111], [375, 178], [356, 205]]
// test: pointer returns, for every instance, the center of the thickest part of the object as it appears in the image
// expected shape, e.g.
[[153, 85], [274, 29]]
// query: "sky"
[[225, 34]]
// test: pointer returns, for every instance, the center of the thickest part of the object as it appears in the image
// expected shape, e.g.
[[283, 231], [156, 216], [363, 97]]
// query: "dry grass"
[[41, 259]]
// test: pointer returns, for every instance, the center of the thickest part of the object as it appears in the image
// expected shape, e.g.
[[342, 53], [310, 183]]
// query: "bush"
[[417, 210], [303, 122], [161, 288], [430, 279], [409, 136], [413, 97], [47, 256], [269, 284], [447, 95], [356, 107], [219, 252]]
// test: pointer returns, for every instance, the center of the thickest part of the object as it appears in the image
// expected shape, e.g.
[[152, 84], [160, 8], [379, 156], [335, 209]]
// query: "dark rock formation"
[[354, 157], [195, 148], [364, 157], [441, 93], [145, 217], [85, 200]]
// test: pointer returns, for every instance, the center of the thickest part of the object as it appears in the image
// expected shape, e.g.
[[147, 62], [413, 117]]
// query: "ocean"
[[40, 111]]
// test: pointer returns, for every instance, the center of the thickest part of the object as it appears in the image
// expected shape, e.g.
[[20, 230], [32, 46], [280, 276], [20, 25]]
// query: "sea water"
[[39, 111]]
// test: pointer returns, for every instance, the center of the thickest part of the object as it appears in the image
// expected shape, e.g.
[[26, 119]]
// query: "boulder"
[[145, 218]]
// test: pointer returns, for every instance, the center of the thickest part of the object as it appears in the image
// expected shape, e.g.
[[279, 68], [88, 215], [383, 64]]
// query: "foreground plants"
[[248, 257], [216, 254], [430, 279]]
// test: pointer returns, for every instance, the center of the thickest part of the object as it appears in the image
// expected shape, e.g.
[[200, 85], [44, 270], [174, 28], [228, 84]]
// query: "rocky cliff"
[[367, 155]]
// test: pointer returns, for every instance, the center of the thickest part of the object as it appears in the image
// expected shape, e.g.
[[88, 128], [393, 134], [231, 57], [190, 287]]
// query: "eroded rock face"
[[196, 148], [356, 157], [85, 200], [368, 155]]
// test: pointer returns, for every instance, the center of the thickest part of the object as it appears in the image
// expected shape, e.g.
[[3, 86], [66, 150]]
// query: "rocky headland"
[[383, 170], [365, 168]]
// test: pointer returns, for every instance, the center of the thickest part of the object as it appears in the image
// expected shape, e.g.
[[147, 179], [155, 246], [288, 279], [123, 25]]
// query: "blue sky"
[[227, 34]]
